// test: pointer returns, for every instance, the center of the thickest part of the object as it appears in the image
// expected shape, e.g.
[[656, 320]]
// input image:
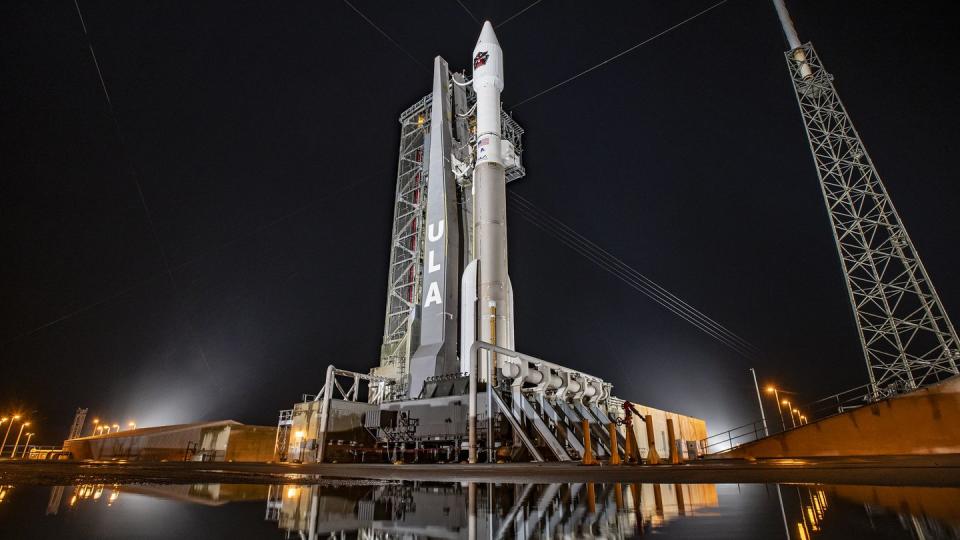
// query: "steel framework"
[[405, 274], [76, 429], [401, 333], [908, 340]]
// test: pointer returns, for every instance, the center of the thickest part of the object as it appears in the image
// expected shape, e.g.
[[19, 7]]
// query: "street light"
[[26, 445], [116, 426], [776, 395], [94, 429], [4, 445], [132, 425], [804, 419], [23, 425], [790, 408]]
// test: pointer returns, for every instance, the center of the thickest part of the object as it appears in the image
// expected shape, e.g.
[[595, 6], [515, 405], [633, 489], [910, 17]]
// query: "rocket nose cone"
[[487, 35]]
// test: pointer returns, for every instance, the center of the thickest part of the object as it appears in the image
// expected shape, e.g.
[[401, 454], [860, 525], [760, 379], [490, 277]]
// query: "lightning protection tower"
[[908, 340]]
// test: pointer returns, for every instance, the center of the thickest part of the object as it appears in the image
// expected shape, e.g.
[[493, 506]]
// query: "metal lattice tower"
[[405, 275], [401, 335], [908, 340], [76, 429]]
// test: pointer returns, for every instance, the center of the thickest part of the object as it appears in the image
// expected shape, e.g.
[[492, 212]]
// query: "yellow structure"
[[925, 421]]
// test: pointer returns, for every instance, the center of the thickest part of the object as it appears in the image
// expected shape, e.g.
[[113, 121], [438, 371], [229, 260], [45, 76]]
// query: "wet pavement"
[[430, 509], [910, 470]]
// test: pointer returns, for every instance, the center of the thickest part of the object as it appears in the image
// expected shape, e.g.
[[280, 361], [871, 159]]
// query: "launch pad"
[[450, 385]]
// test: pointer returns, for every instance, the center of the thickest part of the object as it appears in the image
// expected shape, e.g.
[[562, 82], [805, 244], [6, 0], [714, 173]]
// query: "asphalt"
[[890, 470]]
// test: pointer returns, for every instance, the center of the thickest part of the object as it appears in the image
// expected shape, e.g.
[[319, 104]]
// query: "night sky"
[[263, 136]]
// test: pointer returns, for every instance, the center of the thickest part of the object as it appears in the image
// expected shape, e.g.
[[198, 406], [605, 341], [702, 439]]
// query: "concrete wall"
[[926, 421]]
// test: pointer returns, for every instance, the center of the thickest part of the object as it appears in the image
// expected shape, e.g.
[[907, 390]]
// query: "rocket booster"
[[490, 196]]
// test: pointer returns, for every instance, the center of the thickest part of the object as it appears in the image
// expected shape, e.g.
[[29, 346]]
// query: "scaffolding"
[[401, 329]]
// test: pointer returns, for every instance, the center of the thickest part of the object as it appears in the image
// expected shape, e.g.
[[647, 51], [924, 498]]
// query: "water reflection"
[[437, 510], [480, 510]]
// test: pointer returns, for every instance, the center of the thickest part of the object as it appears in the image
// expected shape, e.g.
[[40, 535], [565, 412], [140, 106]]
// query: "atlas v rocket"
[[461, 156], [494, 302]]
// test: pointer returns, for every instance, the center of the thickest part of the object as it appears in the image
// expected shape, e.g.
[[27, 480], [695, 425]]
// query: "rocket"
[[494, 302]]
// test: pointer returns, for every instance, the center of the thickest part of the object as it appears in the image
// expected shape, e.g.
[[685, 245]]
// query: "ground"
[[893, 471]]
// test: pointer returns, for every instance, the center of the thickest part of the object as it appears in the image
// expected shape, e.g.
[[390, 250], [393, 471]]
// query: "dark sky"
[[264, 137]]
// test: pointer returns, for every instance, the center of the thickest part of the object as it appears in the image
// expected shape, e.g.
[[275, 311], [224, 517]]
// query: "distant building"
[[224, 440]]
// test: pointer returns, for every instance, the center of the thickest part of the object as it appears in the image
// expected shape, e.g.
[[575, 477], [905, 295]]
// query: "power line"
[[628, 278], [621, 53], [470, 13], [610, 258], [600, 255], [517, 14], [386, 35], [632, 277]]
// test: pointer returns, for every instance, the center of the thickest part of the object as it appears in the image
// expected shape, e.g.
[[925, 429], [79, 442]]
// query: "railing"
[[840, 402], [733, 438], [815, 410]]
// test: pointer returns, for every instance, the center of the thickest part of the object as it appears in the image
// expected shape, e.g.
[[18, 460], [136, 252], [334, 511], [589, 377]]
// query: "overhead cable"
[[621, 53], [632, 277], [517, 14], [386, 35]]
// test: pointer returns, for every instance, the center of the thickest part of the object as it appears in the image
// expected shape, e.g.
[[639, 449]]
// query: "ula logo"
[[481, 59]]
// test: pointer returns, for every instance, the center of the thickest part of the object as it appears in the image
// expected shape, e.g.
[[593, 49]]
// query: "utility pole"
[[907, 338]]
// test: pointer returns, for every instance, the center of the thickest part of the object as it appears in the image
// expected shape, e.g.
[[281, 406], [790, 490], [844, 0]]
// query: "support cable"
[[517, 14], [605, 255], [633, 278], [386, 35], [470, 13], [621, 53]]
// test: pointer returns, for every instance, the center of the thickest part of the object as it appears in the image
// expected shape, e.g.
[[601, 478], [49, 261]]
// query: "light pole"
[[803, 420], [93, 430], [23, 425], [4, 445], [26, 445], [796, 412], [790, 408], [763, 417], [776, 396]]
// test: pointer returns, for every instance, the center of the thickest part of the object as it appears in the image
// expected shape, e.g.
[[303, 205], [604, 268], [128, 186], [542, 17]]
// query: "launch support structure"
[[449, 375]]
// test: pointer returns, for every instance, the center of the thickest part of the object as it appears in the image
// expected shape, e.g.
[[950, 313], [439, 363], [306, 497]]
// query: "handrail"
[[813, 410], [731, 438]]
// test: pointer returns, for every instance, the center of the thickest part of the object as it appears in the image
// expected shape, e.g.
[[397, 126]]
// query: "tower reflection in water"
[[437, 510]]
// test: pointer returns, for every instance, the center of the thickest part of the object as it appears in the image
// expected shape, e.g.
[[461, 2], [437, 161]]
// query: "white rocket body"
[[494, 298]]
